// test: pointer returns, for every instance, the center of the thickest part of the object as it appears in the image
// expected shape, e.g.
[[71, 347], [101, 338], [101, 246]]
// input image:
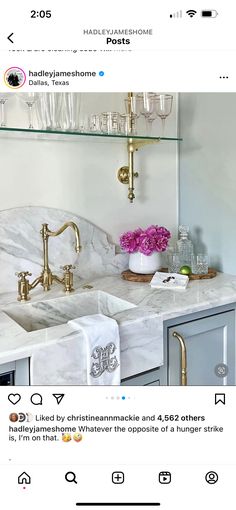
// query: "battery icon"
[[209, 14]]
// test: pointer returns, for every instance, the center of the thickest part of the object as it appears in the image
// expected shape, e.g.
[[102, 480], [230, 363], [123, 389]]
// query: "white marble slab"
[[21, 246]]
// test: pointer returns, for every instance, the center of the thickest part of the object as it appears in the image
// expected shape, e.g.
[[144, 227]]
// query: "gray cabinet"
[[209, 342], [15, 373], [209, 339], [150, 378]]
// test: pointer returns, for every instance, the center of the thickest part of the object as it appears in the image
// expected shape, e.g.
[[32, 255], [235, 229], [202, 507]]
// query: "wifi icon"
[[191, 13]]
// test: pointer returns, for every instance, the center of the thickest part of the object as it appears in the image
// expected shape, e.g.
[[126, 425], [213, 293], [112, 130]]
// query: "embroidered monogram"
[[105, 361]]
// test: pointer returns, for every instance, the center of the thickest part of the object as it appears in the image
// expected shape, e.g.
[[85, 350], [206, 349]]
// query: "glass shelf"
[[65, 135]]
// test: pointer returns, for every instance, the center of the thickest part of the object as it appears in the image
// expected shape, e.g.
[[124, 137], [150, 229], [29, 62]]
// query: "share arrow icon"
[[58, 397]]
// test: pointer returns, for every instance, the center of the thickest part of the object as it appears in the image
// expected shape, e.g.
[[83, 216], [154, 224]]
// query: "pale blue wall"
[[208, 173]]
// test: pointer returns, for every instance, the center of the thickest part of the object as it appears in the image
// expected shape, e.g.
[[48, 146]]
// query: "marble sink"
[[55, 312], [40, 332]]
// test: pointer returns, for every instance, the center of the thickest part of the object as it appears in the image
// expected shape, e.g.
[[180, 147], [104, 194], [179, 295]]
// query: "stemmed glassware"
[[163, 105], [63, 111], [3, 99], [151, 106], [146, 105], [29, 99]]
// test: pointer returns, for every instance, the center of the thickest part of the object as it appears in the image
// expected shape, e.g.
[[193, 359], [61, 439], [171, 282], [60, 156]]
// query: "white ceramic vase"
[[144, 264]]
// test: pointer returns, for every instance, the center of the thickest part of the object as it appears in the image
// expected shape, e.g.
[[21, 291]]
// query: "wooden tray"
[[135, 277]]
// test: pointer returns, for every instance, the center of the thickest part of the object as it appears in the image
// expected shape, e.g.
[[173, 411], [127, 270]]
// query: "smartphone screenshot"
[[117, 256]]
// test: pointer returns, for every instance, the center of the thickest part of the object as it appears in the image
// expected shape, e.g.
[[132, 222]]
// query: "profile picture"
[[14, 77], [13, 417]]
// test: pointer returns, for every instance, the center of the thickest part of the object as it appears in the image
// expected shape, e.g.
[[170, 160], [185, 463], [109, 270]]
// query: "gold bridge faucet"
[[47, 277]]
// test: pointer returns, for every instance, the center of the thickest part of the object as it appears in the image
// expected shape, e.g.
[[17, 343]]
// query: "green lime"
[[185, 270]]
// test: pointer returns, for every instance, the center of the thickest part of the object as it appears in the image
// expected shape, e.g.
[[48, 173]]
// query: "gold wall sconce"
[[126, 174]]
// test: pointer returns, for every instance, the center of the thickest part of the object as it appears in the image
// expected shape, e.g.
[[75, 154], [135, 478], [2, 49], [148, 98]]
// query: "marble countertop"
[[150, 304], [199, 295]]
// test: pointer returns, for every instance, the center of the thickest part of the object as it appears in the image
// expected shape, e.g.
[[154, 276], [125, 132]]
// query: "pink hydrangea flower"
[[154, 238], [129, 241]]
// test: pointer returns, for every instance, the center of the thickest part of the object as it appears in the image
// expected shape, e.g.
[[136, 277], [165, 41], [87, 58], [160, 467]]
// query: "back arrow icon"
[[9, 38]]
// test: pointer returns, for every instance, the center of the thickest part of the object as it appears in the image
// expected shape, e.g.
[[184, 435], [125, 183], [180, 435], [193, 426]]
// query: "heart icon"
[[14, 398]]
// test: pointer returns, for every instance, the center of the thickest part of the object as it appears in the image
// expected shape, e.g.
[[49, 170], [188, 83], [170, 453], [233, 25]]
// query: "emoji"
[[66, 438], [77, 437]]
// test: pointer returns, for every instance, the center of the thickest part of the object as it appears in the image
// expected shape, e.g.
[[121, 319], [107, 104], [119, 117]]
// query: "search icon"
[[70, 477]]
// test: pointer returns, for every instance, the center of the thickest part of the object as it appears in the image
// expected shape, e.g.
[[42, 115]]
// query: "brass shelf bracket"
[[126, 174]]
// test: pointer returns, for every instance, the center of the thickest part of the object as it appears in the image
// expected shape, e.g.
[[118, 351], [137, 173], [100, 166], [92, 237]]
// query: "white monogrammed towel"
[[103, 348]]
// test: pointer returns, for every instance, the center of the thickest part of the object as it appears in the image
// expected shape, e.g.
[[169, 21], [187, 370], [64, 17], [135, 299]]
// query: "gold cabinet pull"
[[183, 357]]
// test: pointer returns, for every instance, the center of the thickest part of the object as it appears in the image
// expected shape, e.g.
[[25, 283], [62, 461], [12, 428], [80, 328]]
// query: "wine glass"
[[163, 107], [3, 99], [146, 103], [29, 99], [146, 106]]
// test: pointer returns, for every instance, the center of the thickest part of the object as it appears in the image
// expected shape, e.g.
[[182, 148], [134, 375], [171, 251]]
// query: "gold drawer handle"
[[183, 358]]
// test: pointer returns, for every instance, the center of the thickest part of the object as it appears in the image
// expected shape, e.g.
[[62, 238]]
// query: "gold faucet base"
[[46, 278]]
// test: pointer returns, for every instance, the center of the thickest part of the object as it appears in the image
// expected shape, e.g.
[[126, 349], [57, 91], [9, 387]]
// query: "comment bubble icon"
[[36, 399]]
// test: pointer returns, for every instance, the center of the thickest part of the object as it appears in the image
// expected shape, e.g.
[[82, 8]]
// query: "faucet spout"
[[47, 276], [74, 227], [48, 233]]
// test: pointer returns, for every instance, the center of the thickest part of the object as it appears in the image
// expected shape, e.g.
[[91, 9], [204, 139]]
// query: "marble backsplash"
[[21, 247]]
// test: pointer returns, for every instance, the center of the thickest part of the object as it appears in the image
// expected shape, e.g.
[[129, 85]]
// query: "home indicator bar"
[[118, 504]]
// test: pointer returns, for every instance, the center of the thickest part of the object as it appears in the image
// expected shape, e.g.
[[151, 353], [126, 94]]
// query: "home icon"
[[24, 478]]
